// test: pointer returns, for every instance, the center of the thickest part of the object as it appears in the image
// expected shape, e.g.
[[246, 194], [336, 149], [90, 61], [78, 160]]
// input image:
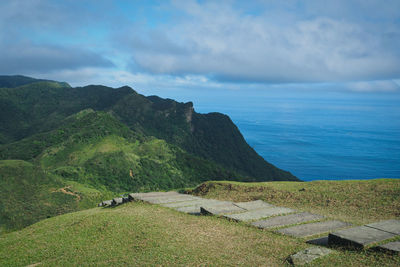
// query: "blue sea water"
[[318, 136]]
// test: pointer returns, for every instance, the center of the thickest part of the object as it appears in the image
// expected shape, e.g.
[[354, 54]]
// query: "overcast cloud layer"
[[204, 43]]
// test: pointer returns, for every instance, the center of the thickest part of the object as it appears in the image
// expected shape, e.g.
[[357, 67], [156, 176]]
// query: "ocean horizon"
[[342, 136]]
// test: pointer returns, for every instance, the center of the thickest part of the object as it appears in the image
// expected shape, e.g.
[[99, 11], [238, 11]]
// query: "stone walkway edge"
[[264, 215]]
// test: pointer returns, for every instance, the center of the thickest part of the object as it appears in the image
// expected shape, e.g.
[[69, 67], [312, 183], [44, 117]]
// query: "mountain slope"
[[41, 106], [29, 194], [140, 234], [90, 157], [19, 80], [71, 147]]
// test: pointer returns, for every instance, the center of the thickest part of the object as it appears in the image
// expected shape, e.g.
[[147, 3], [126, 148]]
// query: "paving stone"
[[393, 247], [308, 255], [312, 228], [107, 203], [287, 220], [147, 198], [253, 205], [117, 201], [258, 214], [195, 209], [391, 226], [220, 209], [187, 203], [321, 241], [168, 199], [135, 196], [358, 237], [197, 202]]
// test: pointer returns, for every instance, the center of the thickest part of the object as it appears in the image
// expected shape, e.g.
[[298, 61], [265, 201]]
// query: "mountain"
[[95, 141], [19, 80]]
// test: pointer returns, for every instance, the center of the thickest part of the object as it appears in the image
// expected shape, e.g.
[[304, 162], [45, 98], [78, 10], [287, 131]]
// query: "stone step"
[[186, 203], [358, 237], [195, 209], [168, 199], [220, 209], [311, 229], [390, 226], [117, 201], [393, 247], [136, 196], [253, 205], [258, 214], [106, 203], [287, 220], [308, 255]]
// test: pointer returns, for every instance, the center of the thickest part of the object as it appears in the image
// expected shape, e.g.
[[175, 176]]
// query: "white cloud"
[[374, 86], [219, 41]]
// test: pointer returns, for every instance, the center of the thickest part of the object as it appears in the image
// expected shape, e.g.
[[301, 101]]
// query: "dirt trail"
[[65, 191]]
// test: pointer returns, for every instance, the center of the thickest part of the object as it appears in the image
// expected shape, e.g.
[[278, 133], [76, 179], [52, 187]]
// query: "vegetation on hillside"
[[141, 234], [29, 194], [42, 106], [358, 202], [110, 140]]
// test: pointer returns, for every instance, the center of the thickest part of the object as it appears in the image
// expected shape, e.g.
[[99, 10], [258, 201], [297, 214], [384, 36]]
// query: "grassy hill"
[[29, 194], [355, 201], [81, 144], [140, 234], [90, 150], [42, 106]]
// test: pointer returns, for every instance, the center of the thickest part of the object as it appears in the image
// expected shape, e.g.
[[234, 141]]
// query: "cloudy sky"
[[164, 45]]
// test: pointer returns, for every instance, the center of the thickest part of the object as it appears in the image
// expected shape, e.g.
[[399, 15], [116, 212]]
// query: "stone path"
[[287, 220], [393, 247], [361, 236], [279, 219], [316, 228]]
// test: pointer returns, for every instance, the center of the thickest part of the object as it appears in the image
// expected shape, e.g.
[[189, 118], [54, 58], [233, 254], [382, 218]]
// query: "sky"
[[172, 47]]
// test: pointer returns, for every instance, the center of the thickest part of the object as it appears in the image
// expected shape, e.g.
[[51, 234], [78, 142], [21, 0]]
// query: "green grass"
[[90, 157], [28, 194], [140, 234], [358, 201]]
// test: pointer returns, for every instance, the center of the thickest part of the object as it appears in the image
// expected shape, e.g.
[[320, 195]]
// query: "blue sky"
[[171, 46]]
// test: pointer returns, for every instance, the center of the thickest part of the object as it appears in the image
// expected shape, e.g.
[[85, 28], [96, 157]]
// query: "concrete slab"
[[253, 205], [168, 199], [107, 203], [117, 201], [308, 255], [287, 220], [393, 247], [358, 237], [390, 226], [312, 228], [135, 196], [195, 209], [220, 209], [192, 202], [258, 214]]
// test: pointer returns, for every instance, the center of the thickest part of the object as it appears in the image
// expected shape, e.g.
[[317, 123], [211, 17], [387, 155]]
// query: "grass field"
[[358, 201], [140, 234]]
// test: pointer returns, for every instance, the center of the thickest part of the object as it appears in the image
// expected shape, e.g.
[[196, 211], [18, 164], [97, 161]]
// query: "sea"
[[314, 135]]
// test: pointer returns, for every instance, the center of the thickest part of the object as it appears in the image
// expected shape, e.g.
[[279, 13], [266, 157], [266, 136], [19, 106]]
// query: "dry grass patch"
[[358, 202]]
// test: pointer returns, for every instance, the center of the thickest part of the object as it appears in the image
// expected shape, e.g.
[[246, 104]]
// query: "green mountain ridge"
[[93, 142]]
